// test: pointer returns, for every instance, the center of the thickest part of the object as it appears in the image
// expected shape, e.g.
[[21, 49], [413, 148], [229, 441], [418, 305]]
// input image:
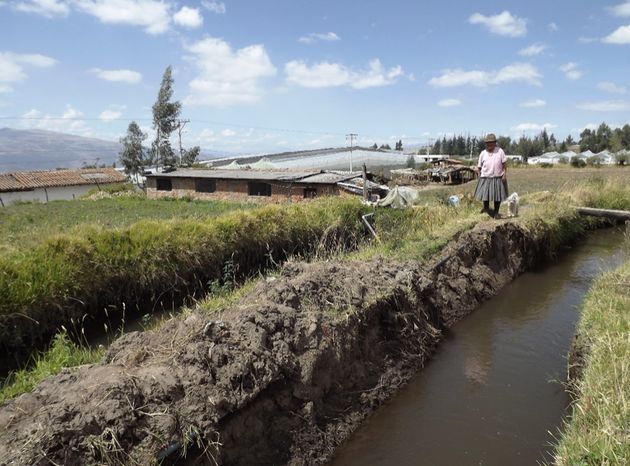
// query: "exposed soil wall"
[[282, 378]]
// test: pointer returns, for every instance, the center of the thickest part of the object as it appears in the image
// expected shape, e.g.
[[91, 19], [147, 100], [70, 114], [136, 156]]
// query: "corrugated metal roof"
[[28, 180], [262, 175]]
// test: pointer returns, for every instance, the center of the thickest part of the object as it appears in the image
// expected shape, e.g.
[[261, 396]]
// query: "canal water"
[[492, 394]]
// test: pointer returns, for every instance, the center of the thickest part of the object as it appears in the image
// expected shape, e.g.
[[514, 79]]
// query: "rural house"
[[54, 185], [262, 185]]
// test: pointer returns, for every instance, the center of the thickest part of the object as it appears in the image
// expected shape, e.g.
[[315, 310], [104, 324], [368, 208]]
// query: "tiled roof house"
[[52, 185]]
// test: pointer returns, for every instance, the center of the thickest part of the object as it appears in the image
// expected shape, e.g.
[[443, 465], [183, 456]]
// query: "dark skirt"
[[491, 189]]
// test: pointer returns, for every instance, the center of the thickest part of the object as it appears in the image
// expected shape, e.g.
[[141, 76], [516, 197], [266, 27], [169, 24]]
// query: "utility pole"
[[180, 128], [352, 137]]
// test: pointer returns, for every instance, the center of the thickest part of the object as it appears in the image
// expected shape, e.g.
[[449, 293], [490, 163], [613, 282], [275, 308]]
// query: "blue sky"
[[256, 76]]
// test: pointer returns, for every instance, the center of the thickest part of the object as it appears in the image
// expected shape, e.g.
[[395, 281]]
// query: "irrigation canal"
[[492, 394]]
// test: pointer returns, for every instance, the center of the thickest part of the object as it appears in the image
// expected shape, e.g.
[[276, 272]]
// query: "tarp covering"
[[263, 164], [400, 197], [234, 165]]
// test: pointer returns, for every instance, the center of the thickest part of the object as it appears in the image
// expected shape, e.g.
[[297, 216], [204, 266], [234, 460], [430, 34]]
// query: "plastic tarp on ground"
[[400, 197]]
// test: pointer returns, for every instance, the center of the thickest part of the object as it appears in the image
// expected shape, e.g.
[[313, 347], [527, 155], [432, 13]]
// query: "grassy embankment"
[[420, 232], [92, 268], [598, 430]]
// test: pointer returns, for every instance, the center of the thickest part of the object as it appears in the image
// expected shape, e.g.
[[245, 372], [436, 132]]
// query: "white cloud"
[[188, 17], [553, 27], [503, 24], [109, 115], [611, 87], [533, 127], [622, 10], [70, 121], [587, 40], [449, 103], [571, 71], [33, 59], [154, 16], [12, 67], [228, 133], [620, 36], [533, 103], [532, 50], [47, 8], [515, 72], [122, 75], [605, 106], [325, 74], [315, 36], [215, 7], [227, 77]]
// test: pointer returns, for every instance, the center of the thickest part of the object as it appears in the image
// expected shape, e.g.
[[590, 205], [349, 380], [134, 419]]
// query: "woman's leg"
[[486, 207], [497, 204]]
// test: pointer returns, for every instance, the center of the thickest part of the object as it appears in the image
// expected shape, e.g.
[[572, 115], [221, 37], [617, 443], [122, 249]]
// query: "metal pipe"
[[369, 225]]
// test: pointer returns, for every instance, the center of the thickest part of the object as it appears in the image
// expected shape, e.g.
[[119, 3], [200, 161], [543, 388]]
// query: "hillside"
[[37, 149], [40, 149]]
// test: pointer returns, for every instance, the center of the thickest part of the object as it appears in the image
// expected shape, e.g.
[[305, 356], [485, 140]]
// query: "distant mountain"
[[36, 149]]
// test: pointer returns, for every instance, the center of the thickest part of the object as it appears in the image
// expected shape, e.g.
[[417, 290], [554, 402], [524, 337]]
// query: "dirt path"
[[282, 378]]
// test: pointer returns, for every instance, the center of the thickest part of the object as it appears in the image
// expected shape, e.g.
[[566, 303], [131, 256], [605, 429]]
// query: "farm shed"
[[261, 185], [450, 172], [54, 185]]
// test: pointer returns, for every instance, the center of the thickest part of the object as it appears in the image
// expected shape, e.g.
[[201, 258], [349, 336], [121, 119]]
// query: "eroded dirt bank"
[[283, 377]]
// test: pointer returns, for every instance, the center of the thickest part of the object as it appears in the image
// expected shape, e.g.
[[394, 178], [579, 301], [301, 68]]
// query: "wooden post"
[[365, 190]]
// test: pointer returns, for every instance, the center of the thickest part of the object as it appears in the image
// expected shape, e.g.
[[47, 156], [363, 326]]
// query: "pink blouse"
[[491, 163]]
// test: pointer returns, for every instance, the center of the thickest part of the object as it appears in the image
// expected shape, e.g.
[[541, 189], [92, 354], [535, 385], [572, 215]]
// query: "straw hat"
[[490, 138]]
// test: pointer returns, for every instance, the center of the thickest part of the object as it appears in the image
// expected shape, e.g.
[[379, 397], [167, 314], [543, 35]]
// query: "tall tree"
[[189, 156], [545, 138], [132, 154], [165, 121]]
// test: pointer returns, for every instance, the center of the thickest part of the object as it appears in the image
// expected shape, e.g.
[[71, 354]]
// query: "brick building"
[[263, 185]]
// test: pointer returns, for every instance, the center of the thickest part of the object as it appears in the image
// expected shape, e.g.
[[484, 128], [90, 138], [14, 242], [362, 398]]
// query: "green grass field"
[[23, 226]]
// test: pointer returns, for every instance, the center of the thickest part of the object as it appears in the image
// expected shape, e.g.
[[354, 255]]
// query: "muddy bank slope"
[[281, 378]]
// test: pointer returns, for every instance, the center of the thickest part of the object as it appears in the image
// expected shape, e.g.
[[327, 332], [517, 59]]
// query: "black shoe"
[[484, 211]]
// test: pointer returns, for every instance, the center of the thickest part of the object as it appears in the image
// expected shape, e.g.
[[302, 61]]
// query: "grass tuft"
[[61, 354]]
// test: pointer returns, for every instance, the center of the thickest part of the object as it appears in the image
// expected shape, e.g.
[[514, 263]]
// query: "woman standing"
[[492, 185]]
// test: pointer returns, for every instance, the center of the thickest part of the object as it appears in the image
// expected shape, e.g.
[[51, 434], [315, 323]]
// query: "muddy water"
[[491, 395]]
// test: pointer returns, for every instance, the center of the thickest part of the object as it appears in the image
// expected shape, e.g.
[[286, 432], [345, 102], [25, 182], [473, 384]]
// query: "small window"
[[164, 184], [204, 185], [256, 188], [310, 193]]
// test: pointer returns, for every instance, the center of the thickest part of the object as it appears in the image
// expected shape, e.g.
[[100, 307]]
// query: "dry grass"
[[525, 180]]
